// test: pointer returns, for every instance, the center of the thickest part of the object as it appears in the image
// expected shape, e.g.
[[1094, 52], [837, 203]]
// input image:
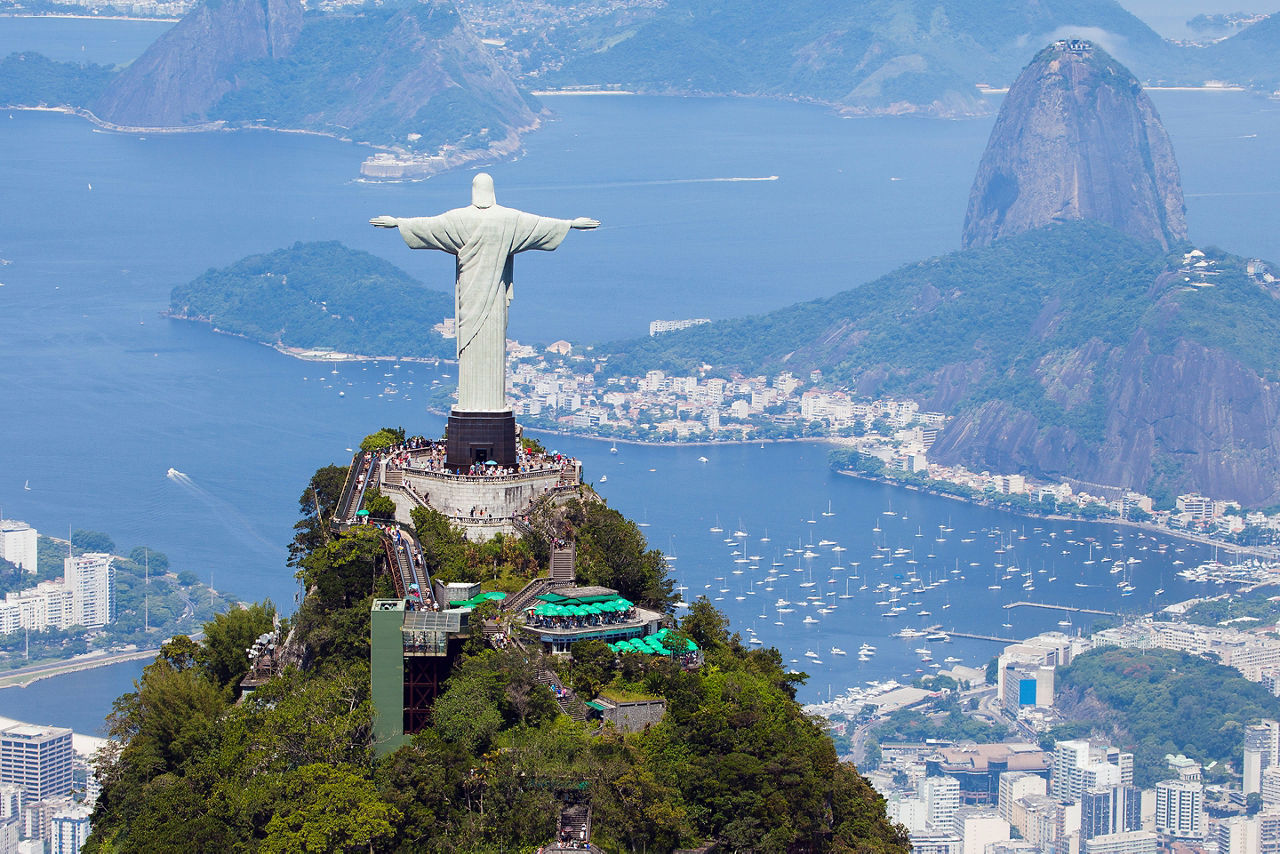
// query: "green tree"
[[226, 639], [316, 506], [92, 541], [379, 506], [708, 628], [329, 809], [158, 562], [383, 439]]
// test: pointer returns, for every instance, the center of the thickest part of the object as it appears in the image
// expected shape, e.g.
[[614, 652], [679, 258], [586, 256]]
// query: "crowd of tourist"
[[424, 455]]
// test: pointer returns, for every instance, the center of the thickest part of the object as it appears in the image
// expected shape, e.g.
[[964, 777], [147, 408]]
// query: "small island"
[[321, 301]]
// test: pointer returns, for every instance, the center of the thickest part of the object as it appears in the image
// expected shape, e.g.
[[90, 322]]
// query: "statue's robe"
[[484, 241]]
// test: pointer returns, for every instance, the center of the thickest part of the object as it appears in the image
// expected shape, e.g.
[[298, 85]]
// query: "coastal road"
[[24, 676]]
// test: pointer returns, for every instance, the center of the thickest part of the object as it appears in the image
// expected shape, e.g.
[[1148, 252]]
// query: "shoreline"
[[1254, 551], [499, 151], [21, 677], [649, 444], [72, 17], [311, 354]]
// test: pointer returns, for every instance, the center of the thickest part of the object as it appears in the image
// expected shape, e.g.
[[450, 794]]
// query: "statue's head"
[[482, 191]]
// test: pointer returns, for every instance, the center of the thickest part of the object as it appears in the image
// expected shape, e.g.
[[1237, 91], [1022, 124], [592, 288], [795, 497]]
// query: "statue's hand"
[[384, 222], [585, 223]]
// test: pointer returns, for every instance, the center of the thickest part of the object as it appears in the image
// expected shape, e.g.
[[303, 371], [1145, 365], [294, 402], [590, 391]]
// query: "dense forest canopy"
[[1156, 702]]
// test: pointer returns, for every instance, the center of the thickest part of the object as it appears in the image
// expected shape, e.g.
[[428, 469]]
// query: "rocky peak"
[[1076, 138], [189, 68]]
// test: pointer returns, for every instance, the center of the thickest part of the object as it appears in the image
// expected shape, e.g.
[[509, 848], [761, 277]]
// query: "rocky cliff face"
[[1076, 138], [1191, 420], [192, 66], [406, 75]]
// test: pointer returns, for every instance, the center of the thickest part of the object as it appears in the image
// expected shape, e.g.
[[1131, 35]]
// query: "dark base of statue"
[[478, 437]]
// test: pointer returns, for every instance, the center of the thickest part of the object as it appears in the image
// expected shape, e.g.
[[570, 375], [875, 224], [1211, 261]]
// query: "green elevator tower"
[[386, 666]]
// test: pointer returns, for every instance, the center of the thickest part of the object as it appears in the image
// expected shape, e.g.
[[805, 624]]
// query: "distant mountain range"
[[406, 75], [879, 56], [415, 76]]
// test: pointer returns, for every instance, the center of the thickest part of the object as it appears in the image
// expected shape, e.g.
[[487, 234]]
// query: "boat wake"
[[225, 512]]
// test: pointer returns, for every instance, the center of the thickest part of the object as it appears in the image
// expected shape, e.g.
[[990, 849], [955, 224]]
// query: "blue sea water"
[[80, 39], [103, 396]]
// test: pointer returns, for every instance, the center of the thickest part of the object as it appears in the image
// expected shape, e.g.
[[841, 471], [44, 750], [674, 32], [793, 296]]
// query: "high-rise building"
[[1180, 809], [941, 796], [18, 544], [1080, 765], [1108, 810], [68, 829], [1261, 751], [36, 758], [1259, 834], [10, 831], [10, 800], [37, 816], [1271, 787], [91, 579], [1044, 821]]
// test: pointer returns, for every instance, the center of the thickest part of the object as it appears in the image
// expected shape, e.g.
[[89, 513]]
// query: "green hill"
[[320, 295], [289, 767], [1155, 702], [1068, 351]]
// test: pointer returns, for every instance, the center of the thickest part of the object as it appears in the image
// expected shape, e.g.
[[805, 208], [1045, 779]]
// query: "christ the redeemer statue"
[[485, 238]]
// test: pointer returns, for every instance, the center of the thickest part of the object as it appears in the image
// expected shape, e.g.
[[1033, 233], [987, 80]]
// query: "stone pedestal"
[[477, 437]]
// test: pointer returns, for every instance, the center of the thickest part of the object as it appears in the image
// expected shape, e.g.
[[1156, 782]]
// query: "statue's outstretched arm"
[[384, 222], [582, 223]]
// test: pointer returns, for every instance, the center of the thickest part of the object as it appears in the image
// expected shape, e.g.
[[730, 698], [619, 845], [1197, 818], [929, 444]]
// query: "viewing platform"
[[483, 499]]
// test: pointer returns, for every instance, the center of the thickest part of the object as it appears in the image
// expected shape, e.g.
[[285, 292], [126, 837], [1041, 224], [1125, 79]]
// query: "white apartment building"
[[1015, 785], [1080, 765], [91, 579], [1180, 809], [1271, 787], [941, 796], [978, 828], [18, 542], [68, 829], [1261, 751], [1243, 835], [47, 605]]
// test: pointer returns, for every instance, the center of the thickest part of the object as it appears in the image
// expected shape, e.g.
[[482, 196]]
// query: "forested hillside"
[[320, 295], [1155, 702], [289, 767]]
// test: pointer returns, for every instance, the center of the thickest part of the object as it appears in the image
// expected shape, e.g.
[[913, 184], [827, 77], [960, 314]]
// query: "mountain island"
[[1081, 337]]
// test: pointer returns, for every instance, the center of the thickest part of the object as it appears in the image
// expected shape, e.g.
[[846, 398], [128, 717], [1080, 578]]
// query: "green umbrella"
[[362, 512]]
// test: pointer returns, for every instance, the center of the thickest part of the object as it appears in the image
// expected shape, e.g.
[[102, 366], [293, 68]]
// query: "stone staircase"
[[531, 591], [565, 698], [575, 823]]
